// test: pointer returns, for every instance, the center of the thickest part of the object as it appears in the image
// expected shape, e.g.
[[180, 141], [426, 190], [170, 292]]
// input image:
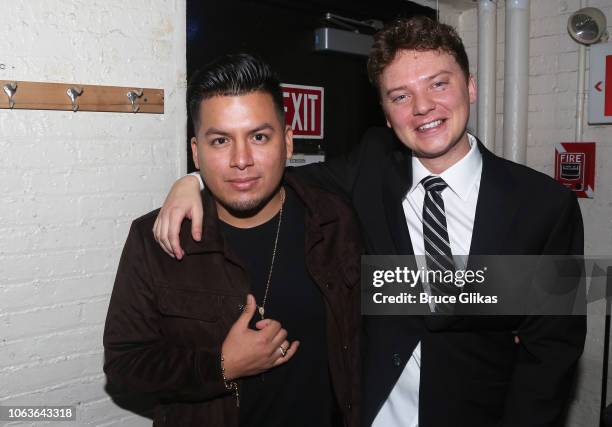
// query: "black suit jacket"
[[472, 372]]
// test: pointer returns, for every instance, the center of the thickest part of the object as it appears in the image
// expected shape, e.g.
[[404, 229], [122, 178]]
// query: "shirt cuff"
[[197, 175]]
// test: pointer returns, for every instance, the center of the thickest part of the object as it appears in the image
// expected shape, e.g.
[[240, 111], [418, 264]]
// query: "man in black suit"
[[498, 371]]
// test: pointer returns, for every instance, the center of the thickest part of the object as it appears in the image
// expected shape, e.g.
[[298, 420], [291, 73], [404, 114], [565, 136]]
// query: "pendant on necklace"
[[261, 312]]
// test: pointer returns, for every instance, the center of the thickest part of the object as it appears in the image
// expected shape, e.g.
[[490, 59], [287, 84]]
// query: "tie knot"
[[434, 183]]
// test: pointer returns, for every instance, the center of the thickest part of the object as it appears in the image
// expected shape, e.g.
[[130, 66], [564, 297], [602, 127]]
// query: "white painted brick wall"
[[552, 110], [72, 183]]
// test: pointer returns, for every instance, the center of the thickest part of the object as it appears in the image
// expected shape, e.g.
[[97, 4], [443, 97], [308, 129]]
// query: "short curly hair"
[[418, 33]]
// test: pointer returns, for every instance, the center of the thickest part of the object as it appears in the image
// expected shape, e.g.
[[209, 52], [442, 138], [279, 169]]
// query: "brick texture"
[[72, 182]]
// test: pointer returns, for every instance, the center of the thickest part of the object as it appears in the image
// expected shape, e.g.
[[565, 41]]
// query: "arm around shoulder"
[[183, 201], [338, 174]]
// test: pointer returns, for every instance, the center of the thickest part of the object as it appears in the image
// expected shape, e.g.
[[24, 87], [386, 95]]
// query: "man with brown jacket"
[[182, 330]]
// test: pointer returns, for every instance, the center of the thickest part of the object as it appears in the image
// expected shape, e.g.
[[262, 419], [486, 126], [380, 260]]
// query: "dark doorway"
[[282, 33]]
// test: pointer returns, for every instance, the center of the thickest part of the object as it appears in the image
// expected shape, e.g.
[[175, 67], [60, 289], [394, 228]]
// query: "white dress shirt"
[[401, 409]]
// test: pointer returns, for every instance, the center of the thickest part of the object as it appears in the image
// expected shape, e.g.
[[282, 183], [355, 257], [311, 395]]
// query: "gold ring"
[[283, 351]]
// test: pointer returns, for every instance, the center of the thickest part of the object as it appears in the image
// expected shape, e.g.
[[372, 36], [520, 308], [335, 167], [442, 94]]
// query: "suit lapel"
[[496, 207], [397, 182], [496, 212]]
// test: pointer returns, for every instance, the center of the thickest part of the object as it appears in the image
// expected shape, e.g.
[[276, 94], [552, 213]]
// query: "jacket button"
[[397, 360], [345, 347], [328, 285], [348, 405]]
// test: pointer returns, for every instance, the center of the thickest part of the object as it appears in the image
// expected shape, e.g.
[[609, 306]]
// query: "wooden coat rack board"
[[76, 97]]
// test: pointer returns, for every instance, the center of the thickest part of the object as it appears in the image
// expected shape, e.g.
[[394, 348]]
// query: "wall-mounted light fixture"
[[587, 25]]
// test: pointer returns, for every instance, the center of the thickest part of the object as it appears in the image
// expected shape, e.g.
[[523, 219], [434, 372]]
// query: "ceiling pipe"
[[487, 72], [516, 80]]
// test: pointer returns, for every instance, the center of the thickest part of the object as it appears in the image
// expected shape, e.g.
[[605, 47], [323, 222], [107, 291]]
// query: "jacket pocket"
[[190, 304]]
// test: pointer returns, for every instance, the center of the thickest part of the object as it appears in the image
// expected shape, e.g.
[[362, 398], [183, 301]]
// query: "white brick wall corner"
[[70, 185]]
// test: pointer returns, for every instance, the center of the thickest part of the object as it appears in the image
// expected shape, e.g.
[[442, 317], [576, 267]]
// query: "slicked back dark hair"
[[418, 33], [233, 75]]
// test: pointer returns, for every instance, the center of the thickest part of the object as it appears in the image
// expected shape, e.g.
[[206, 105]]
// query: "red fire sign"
[[575, 167], [304, 110]]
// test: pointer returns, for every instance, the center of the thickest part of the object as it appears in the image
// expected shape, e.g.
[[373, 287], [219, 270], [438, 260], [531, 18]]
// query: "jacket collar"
[[496, 207], [212, 239], [396, 183], [317, 208]]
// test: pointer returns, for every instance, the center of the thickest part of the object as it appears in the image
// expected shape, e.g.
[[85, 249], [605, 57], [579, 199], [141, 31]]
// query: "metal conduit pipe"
[[487, 72], [516, 80], [580, 93]]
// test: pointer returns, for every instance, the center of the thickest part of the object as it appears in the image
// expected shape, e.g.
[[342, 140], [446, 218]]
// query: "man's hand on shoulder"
[[182, 202]]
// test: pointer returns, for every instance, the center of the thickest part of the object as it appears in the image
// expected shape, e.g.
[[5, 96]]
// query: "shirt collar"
[[460, 177]]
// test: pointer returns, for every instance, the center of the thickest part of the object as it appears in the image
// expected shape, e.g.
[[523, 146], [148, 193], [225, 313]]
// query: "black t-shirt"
[[299, 392]]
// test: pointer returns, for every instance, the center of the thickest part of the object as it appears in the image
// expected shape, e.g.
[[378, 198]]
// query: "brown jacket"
[[167, 319]]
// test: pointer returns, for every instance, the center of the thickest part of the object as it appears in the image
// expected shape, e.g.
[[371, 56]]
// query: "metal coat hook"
[[75, 96], [10, 89], [133, 96], [73, 93]]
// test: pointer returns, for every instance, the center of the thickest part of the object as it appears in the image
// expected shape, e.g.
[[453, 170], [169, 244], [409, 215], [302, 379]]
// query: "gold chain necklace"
[[261, 309]]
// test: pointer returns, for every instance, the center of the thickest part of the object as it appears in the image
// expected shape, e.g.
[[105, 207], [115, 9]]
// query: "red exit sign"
[[304, 110]]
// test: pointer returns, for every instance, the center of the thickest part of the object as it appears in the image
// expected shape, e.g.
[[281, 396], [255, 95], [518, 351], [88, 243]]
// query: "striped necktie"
[[435, 234]]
